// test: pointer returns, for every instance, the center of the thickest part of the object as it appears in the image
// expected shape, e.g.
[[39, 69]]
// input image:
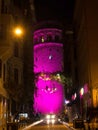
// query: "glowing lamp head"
[[18, 31], [82, 91]]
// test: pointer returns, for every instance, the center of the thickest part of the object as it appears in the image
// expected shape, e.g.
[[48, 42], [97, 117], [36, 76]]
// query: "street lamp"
[[18, 31], [81, 91], [81, 100]]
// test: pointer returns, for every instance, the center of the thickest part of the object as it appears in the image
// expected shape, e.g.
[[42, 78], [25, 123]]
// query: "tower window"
[[42, 39], [35, 40], [57, 38], [49, 38]]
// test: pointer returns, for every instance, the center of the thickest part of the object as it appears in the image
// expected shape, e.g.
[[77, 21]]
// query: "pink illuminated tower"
[[48, 69]]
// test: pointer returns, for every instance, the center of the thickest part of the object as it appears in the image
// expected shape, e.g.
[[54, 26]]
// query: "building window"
[[16, 50], [0, 68], [4, 72], [75, 53], [76, 73], [16, 75], [3, 7], [2, 31]]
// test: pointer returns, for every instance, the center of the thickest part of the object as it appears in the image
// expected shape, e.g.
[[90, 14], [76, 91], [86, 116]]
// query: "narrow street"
[[39, 125], [47, 127]]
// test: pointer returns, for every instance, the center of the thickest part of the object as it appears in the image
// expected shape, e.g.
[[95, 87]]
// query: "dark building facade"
[[13, 14], [86, 48]]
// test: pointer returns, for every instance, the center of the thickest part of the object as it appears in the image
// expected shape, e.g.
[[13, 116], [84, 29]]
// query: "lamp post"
[[17, 35]]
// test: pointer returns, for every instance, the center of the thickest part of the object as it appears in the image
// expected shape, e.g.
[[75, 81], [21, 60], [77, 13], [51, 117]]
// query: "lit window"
[[42, 39], [50, 57]]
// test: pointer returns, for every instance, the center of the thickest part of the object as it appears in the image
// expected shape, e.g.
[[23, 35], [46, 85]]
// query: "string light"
[[57, 77]]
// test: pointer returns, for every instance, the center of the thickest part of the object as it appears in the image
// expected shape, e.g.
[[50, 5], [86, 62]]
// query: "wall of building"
[[85, 21], [7, 48]]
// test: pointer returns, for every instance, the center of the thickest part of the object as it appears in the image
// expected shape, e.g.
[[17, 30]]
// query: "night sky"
[[60, 10]]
